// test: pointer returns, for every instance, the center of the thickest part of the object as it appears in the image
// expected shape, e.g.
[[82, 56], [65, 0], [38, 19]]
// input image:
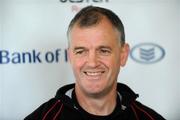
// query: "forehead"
[[102, 33]]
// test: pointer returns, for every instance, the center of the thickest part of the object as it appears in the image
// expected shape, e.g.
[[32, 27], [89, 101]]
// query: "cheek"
[[77, 64], [112, 62]]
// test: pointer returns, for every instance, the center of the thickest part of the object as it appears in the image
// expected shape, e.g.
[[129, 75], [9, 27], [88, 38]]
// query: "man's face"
[[96, 55]]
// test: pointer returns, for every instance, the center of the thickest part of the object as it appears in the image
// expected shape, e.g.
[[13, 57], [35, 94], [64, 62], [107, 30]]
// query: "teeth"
[[93, 73]]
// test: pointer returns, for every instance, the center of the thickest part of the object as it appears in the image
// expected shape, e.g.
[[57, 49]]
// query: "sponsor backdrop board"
[[33, 57]]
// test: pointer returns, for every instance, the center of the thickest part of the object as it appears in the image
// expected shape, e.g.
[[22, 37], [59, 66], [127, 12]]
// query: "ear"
[[124, 54], [69, 54]]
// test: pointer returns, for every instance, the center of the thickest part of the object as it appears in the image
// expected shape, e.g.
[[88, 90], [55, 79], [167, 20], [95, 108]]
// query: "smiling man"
[[97, 50]]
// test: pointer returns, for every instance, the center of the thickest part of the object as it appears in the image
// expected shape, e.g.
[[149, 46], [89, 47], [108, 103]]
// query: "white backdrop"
[[33, 61]]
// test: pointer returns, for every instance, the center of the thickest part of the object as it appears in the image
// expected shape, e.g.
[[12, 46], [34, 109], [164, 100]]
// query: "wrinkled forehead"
[[94, 36]]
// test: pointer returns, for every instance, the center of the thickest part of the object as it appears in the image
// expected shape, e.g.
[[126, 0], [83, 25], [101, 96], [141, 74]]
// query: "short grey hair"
[[92, 15]]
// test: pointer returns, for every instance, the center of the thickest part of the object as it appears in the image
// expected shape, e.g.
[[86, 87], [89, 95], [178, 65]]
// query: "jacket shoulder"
[[43, 110], [145, 113]]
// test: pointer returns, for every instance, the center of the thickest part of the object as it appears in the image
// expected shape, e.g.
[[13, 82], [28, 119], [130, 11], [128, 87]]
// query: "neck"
[[97, 106]]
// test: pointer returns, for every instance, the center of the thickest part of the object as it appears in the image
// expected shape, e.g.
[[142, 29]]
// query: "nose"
[[92, 60]]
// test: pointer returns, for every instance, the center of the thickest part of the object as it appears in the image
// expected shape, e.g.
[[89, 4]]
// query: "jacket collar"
[[124, 92], [128, 95]]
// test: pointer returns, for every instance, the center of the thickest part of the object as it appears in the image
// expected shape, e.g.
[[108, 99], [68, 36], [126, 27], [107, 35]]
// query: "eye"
[[105, 51], [79, 51]]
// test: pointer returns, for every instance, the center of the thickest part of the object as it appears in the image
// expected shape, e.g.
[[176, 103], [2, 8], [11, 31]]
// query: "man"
[[97, 50]]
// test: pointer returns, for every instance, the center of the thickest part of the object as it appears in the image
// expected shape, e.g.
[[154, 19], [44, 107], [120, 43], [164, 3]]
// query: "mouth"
[[94, 74]]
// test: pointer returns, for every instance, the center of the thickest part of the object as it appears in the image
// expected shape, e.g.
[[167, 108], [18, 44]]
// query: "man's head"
[[96, 50], [91, 16]]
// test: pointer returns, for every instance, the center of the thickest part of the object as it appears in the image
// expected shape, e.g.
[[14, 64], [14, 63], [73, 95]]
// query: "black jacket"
[[65, 107]]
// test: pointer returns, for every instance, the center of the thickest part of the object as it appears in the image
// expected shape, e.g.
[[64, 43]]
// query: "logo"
[[83, 1], [147, 53], [33, 56], [75, 3]]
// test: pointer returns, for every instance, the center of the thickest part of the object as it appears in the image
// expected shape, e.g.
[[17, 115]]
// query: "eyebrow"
[[104, 47], [77, 48], [99, 47]]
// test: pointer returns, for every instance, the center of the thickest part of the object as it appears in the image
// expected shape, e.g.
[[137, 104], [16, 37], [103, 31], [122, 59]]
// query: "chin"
[[94, 91]]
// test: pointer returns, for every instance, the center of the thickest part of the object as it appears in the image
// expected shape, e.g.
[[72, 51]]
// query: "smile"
[[94, 73]]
